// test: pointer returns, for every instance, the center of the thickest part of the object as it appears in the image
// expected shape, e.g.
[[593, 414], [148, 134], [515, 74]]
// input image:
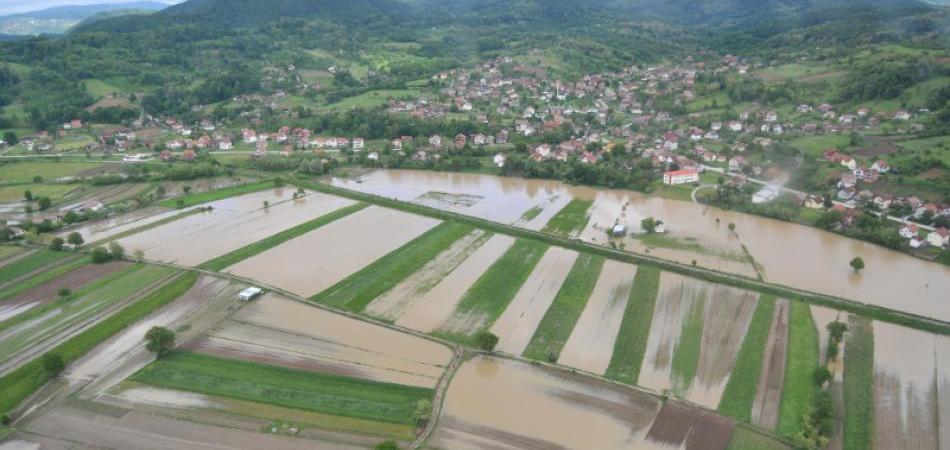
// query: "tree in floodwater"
[[857, 264], [160, 341], [486, 341], [648, 225]]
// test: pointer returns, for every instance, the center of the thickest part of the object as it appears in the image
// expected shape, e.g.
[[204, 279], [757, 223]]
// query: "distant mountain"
[[252, 12], [58, 20]]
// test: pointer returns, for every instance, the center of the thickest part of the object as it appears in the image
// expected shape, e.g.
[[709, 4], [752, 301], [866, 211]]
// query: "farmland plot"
[[696, 334], [319, 259], [435, 306], [104, 229], [905, 390], [278, 331], [48, 292], [504, 404], [394, 303], [679, 426], [518, 323], [768, 391], [233, 222], [943, 390], [591, 344]]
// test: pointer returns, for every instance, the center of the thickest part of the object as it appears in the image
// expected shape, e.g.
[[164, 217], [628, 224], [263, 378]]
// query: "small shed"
[[619, 230], [249, 294]]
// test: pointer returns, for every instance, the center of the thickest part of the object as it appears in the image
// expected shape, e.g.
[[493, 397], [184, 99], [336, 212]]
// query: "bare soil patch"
[[690, 428], [49, 291]]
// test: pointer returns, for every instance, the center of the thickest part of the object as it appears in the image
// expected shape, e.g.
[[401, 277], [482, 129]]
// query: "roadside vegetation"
[[631, 344], [494, 289], [236, 256], [24, 381], [799, 389], [362, 287], [859, 385], [292, 388], [739, 395], [558, 321], [571, 219]]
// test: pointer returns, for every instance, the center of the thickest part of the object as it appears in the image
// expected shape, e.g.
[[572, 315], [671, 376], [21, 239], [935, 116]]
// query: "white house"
[[499, 160], [849, 162], [684, 176], [908, 231], [358, 143], [939, 238], [765, 195]]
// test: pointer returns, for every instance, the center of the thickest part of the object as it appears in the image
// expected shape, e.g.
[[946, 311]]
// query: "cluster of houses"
[[847, 183], [939, 238]]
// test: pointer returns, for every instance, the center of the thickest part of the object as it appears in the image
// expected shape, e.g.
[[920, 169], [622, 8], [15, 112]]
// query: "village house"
[[908, 231], [358, 143], [460, 140], [849, 162], [676, 177], [735, 126], [225, 144], [939, 237], [435, 141]]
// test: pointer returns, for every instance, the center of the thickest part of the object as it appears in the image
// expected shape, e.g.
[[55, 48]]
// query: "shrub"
[[56, 244], [100, 255], [116, 250], [486, 341]]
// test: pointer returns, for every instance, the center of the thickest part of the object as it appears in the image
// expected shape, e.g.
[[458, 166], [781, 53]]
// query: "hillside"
[[60, 19]]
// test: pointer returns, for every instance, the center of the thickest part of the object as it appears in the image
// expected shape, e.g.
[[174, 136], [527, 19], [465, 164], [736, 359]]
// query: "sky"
[[19, 6]]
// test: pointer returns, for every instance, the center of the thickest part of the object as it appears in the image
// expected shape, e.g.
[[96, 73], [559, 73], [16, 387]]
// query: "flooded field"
[[279, 331], [434, 307], [319, 259], [591, 343], [392, 304], [503, 404], [679, 426], [768, 391], [696, 333], [891, 279], [234, 222], [166, 397], [905, 388], [517, 324], [112, 226]]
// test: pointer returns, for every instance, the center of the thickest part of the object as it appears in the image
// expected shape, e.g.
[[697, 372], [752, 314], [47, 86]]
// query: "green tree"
[[485, 340], [10, 138], [648, 225], [116, 250], [75, 239], [160, 341], [56, 244], [423, 411], [857, 264], [28, 195], [37, 178], [64, 292], [44, 203], [53, 364], [100, 255]]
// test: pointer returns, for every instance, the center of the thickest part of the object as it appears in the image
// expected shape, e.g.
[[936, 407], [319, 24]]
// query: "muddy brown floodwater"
[[591, 343], [789, 254], [276, 330], [517, 324], [504, 404], [308, 264], [231, 224]]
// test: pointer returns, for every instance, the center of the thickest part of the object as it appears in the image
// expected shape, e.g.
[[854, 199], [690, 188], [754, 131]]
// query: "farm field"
[[695, 336], [278, 331], [334, 251], [47, 292], [235, 222], [291, 388], [24, 172], [571, 219]]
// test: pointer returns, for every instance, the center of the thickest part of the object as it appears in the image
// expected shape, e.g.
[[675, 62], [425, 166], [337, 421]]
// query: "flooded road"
[[504, 404], [789, 254]]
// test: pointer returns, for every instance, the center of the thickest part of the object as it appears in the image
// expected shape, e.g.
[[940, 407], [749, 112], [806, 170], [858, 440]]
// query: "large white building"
[[675, 177]]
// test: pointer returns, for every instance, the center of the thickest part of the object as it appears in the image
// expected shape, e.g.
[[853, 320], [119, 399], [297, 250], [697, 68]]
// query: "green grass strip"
[[686, 354], [23, 382], [291, 388], [236, 256], [29, 263], [45, 276], [217, 194], [359, 289], [739, 395], [859, 385], [744, 438], [631, 343], [40, 310], [559, 320], [799, 388], [570, 219], [532, 213], [493, 291]]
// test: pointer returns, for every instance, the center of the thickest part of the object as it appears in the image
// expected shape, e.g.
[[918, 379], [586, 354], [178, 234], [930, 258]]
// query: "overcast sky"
[[18, 6]]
